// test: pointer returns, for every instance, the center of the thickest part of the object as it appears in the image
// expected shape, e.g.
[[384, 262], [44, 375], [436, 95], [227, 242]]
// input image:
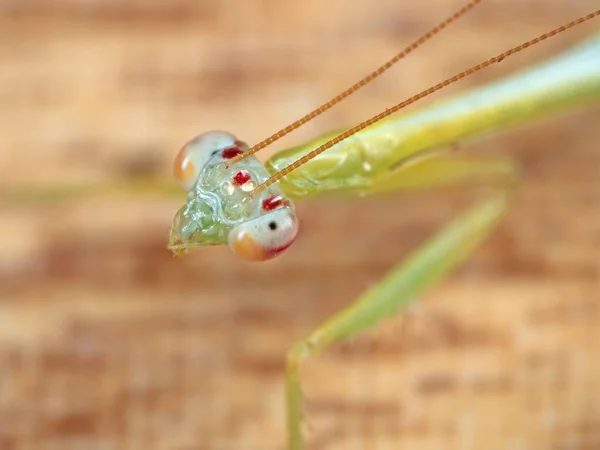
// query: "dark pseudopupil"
[[272, 225]]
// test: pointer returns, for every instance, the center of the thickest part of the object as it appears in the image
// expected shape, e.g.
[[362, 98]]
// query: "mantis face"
[[220, 209]]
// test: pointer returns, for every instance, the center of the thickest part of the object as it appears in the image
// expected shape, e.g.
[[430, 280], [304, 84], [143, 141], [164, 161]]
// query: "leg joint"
[[298, 353]]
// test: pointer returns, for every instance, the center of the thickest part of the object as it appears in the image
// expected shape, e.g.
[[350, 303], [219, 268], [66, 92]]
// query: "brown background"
[[107, 342]]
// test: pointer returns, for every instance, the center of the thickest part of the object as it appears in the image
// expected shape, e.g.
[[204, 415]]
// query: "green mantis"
[[407, 152], [569, 80], [232, 199]]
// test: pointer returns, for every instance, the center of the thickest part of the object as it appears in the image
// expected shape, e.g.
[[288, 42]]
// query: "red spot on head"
[[271, 203], [242, 177], [230, 152]]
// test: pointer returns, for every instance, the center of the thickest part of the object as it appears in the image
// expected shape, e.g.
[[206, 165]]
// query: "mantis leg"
[[33, 195], [427, 265]]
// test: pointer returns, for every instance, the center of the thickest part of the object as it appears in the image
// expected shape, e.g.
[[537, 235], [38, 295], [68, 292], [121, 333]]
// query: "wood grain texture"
[[108, 342]]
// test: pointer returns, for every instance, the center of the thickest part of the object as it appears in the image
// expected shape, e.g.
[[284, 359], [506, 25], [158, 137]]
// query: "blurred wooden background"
[[108, 342]]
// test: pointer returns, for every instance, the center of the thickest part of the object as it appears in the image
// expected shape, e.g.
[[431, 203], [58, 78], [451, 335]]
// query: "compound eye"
[[194, 155], [184, 169], [265, 237]]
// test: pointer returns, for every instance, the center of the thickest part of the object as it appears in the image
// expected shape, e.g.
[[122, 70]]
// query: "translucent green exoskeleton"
[[219, 211], [381, 154], [233, 199]]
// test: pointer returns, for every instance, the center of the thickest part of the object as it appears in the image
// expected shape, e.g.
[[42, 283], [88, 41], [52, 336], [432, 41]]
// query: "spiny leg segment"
[[420, 271]]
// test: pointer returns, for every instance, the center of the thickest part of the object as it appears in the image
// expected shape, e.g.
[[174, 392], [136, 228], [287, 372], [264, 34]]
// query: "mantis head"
[[220, 207]]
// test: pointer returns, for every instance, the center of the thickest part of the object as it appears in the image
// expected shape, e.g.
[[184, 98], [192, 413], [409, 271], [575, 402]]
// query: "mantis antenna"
[[496, 59], [321, 109]]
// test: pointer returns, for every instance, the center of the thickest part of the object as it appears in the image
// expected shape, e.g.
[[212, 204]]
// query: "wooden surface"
[[108, 342]]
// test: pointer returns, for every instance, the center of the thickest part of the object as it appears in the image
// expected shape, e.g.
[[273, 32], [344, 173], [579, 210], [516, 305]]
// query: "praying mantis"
[[234, 200], [398, 153]]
